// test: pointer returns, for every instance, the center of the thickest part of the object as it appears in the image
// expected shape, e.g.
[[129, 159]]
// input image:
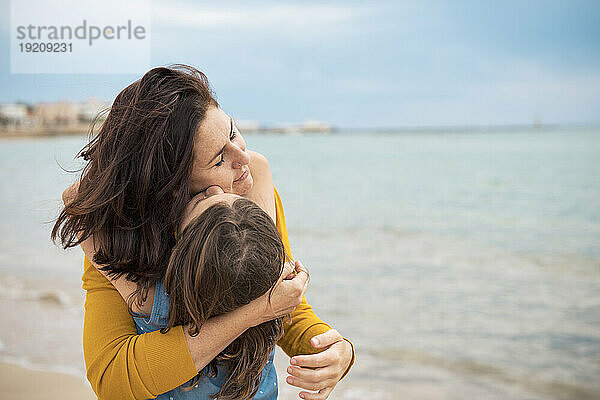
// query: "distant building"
[[14, 114], [305, 127], [56, 118], [247, 126], [64, 117], [89, 109], [56, 114], [283, 128], [315, 126]]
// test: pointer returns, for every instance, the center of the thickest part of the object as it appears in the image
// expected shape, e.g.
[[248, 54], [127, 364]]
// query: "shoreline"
[[45, 131], [17, 382], [81, 129]]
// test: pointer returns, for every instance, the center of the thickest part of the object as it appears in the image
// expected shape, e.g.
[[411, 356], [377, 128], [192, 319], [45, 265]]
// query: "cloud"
[[283, 17], [516, 91]]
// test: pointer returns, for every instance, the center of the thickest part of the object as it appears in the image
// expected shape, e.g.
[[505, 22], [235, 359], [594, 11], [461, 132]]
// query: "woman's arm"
[[124, 365], [121, 364]]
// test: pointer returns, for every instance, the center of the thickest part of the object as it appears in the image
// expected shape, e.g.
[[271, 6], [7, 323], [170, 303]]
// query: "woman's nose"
[[241, 158]]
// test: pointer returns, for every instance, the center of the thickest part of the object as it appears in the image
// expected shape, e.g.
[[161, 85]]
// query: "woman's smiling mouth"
[[243, 176]]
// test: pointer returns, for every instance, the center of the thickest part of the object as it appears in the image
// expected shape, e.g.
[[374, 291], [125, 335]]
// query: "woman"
[[165, 140]]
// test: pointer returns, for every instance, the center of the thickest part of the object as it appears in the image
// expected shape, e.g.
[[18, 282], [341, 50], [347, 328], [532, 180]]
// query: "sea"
[[460, 263]]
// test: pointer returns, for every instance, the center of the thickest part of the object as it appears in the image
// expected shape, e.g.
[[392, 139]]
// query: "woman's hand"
[[321, 372], [286, 295]]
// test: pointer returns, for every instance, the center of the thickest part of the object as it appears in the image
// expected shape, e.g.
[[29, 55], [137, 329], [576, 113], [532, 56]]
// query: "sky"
[[379, 64]]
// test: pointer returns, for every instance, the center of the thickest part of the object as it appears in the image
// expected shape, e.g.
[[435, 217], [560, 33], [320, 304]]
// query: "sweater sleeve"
[[120, 363], [305, 324]]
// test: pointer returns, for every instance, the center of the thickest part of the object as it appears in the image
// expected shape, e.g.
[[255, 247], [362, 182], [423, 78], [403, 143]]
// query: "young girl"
[[228, 254]]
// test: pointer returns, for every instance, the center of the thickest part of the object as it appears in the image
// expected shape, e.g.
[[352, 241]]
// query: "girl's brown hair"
[[224, 259], [134, 187]]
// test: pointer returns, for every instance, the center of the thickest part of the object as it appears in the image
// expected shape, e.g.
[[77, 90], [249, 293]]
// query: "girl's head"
[[225, 258], [164, 139]]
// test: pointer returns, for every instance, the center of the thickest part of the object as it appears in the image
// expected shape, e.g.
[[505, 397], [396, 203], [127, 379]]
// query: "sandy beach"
[[18, 383]]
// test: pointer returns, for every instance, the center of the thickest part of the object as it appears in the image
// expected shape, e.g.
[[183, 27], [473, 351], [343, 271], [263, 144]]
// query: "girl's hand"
[[188, 213], [321, 372], [286, 295]]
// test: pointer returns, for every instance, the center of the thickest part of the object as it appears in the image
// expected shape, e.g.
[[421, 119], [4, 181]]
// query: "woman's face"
[[220, 156]]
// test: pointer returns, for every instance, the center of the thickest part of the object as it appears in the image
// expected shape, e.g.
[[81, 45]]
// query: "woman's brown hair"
[[224, 259], [134, 188]]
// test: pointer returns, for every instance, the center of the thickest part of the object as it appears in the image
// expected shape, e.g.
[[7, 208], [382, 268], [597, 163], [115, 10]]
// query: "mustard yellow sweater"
[[124, 365]]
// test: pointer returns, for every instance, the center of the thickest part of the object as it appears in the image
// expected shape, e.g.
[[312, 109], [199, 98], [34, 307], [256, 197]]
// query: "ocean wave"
[[54, 297], [465, 367], [56, 368], [420, 247], [352, 230]]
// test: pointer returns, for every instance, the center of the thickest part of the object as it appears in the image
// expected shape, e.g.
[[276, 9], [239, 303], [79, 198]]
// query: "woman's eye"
[[221, 161]]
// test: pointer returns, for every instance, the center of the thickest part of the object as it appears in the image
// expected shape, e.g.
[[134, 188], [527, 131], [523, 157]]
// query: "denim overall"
[[206, 386]]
